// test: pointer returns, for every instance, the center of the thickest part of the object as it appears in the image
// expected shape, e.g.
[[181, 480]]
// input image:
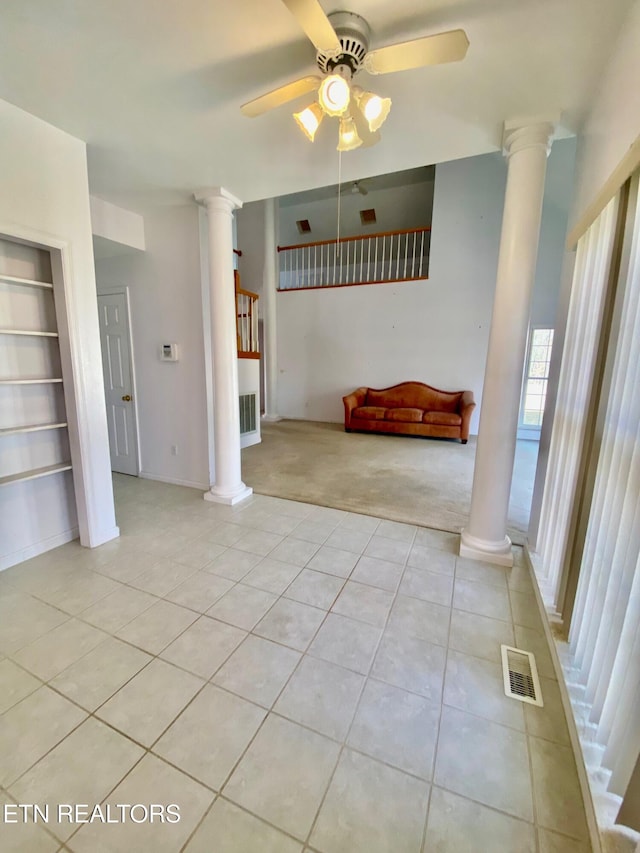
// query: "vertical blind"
[[605, 629], [588, 292]]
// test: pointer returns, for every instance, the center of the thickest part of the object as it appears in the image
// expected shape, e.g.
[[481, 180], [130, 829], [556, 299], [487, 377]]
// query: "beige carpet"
[[416, 480]]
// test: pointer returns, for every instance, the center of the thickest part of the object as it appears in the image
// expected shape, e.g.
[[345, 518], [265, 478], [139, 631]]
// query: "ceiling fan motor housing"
[[354, 33]]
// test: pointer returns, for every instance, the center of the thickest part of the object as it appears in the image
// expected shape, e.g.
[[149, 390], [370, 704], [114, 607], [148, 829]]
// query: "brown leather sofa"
[[410, 408]]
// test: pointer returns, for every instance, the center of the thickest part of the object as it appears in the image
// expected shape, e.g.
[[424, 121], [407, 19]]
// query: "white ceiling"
[[155, 86]]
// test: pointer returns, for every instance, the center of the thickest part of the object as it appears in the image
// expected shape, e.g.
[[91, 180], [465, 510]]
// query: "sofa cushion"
[[442, 418], [370, 413], [404, 414], [414, 395]]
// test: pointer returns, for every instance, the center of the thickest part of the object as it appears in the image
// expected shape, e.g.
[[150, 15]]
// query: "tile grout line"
[[357, 707], [270, 710], [436, 745], [200, 614]]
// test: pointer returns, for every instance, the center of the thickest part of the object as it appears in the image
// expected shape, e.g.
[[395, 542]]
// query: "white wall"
[[166, 307], [435, 331], [114, 227], [44, 198], [396, 208], [613, 123]]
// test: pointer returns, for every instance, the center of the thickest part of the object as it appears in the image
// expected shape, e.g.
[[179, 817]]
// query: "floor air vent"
[[247, 413], [521, 676]]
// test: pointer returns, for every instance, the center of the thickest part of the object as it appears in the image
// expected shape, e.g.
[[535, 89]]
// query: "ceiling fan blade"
[[312, 19], [430, 50], [280, 96]]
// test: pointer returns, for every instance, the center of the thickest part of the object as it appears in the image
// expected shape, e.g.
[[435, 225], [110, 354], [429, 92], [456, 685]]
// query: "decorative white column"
[[526, 148], [228, 487], [270, 275]]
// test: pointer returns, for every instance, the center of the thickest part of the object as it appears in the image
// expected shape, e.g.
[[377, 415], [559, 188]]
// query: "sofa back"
[[415, 395]]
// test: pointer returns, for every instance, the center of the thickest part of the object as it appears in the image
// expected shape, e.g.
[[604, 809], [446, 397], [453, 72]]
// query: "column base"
[[486, 550], [271, 419], [230, 498]]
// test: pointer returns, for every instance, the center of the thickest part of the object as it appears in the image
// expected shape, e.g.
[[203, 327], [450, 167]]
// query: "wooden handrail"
[[246, 328], [247, 293], [355, 284], [358, 237]]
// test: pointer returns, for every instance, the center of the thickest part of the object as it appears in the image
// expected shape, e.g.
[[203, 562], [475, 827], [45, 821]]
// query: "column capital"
[[217, 198], [520, 134]]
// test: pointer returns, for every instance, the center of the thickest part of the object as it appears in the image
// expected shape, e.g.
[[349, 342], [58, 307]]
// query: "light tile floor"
[[292, 677]]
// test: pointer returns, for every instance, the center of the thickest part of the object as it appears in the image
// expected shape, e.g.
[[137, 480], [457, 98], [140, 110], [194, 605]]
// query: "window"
[[536, 377]]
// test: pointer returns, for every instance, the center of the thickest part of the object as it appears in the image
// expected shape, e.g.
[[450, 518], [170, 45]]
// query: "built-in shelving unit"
[[26, 282], [31, 428], [44, 381], [34, 333], [34, 442], [35, 473]]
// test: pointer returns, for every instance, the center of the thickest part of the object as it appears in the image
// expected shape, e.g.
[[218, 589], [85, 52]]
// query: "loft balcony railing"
[[369, 259], [246, 321]]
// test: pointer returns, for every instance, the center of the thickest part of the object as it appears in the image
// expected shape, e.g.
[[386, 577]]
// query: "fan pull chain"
[[338, 249]]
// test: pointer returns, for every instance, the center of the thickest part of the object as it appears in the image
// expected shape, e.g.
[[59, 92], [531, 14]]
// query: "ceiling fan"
[[341, 40], [352, 188]]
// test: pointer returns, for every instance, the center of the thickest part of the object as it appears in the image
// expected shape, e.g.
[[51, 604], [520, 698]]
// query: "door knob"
[[127, 398]]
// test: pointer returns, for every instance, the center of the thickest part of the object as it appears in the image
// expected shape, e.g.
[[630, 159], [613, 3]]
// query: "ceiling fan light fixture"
[[334, 95], [348, 137], [309, 120], [374, 108]]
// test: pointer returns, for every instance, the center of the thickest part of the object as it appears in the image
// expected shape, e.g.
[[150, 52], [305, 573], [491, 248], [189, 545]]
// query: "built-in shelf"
[[26, 332], [31, 428], [28, 381], [26, 282], [35, 473]]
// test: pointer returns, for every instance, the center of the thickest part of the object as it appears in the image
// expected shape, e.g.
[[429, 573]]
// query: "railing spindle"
[[406, 255], [390, 273], [413, 256], [375, 262]]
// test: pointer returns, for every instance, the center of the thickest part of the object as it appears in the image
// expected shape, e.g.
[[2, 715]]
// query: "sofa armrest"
[[467, 405], [351, 402]]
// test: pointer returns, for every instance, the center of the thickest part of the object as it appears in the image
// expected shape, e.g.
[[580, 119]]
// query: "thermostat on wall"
[[168, 352]]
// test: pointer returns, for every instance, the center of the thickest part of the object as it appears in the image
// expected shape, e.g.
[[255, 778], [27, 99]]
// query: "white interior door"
[[118, 382]]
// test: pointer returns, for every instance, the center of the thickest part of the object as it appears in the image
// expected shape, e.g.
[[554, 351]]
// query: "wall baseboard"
[[23, 554], [145, 475]]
